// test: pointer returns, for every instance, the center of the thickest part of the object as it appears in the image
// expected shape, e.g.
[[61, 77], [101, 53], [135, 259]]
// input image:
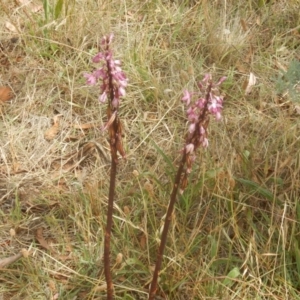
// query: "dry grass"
[[236, 229]]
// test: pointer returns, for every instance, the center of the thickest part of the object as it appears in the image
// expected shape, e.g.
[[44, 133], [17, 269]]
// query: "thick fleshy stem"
[[113, 83], [198, 116]]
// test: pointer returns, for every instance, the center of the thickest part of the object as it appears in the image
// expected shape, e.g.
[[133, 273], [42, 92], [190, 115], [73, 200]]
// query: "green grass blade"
[[164, 156], [234, 273], [58, 8], [46, 9], [256, 188], [297, 255]]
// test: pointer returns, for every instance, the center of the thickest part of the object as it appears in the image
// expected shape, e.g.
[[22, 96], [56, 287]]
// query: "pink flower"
[[192, 115], [103, 97], [203, 83], [186, 97], [115, 102], [122, 91], [218, 116], [106, 40], [189, 148], [202, 130], [100, 73], [207, 102], [98, 57], [90, 79], [110, 38], [200, 102], [215, 106], [192, 127], [205, 143], [112, 79], [221, 80], [206, 78]]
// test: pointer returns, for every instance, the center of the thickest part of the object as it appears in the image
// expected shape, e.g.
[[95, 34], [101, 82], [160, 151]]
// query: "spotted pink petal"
[[98, 57], [90, 79], [186, 97], [103, 97], [189, 148]]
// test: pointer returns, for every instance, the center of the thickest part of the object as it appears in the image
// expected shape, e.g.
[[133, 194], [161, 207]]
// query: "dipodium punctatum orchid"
[[112, 87], [113, 82], [207, 102], [199, 106], [113, 79]]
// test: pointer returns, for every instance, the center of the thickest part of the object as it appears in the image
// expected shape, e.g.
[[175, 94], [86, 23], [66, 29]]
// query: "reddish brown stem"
[[194, 139], [109, 221], [173, 196], [112, 185]]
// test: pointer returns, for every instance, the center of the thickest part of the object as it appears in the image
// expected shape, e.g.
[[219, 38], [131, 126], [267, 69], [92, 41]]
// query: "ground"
[[235, 230]]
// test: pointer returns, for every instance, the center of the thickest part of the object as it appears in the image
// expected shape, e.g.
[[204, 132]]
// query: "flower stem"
[[109, 221], [173, 196], [112, 185], [112, 87]]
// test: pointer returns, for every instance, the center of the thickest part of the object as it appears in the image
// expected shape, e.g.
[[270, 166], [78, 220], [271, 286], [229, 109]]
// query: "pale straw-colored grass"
[[239, 217]]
